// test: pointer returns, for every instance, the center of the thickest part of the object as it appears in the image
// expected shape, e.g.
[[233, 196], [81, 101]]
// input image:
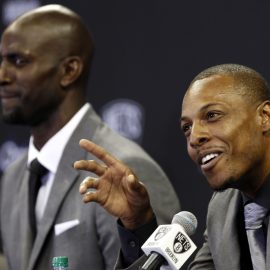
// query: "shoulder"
[[227, 194], [223, 204], [222, 201], [16, 166]]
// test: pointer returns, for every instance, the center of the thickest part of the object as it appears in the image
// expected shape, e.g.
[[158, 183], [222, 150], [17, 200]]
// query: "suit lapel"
[[18, 231], [268, 247], [25, 233], [233, 246], [65, 177]]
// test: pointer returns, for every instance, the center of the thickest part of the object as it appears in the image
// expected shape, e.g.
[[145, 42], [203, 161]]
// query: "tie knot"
[[254, 215], [37, 168]]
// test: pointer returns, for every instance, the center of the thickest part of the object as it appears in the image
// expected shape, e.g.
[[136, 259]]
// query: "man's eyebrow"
[[8, 54], [183, 118], [203, 108], [17, 51]]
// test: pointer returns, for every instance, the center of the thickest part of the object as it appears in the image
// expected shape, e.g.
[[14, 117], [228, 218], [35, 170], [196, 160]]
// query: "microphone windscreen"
[[187, 220]]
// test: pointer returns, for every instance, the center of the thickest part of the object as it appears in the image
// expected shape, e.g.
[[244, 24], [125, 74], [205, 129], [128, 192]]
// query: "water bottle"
[[60, 263]]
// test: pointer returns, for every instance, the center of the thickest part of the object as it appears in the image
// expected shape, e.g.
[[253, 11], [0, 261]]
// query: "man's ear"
[[71, 69], [264, 111]]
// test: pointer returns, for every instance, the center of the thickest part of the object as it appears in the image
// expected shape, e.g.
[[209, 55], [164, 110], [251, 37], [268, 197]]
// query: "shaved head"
[[46, 55], [61, 30]]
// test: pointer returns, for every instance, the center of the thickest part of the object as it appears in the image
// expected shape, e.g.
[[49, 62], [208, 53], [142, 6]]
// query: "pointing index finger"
[[98, 151]]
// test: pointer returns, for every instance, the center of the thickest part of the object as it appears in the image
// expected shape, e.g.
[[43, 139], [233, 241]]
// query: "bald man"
[[45, 59]]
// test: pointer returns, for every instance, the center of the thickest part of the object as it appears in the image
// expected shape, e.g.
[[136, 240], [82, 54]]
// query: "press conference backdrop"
[[146, 54]]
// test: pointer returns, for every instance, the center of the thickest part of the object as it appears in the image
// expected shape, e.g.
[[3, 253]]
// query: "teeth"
[[208, 157]]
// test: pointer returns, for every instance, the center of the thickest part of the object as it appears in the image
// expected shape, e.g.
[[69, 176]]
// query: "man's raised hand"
[[116, 187]]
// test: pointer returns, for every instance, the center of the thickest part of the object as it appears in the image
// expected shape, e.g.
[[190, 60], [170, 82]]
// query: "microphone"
[[171, 243]]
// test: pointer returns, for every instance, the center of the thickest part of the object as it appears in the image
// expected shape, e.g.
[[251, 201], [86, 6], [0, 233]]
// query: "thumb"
[[133, 184]]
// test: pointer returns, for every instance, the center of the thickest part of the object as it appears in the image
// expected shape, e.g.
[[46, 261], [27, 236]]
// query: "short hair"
[[249, 82]]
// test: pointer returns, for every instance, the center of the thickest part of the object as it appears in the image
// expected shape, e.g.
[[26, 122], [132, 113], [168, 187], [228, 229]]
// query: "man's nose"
[[4, 77], [199, 135]]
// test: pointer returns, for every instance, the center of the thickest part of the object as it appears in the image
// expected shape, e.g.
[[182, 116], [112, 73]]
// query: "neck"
[[57, 120]]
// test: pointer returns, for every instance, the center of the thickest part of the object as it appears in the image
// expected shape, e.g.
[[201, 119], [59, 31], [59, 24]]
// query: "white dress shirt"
[[49, 156]]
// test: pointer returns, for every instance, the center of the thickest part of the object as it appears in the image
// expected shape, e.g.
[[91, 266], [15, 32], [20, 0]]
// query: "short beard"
[[231, 182], [14, 118]]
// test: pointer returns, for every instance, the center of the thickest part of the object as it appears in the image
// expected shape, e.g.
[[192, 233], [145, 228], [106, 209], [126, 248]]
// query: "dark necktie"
[[254, 215], [36, 173]]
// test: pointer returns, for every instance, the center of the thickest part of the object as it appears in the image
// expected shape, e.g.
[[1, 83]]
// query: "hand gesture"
[[116, 188]]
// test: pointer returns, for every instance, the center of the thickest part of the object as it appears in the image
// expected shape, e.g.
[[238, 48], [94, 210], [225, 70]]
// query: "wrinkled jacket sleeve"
[[203, 259], [131, 256], [3, 265]]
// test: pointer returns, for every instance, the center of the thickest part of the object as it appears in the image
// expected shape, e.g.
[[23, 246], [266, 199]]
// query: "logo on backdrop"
[[126, 117], [9, 152], [11, 9]]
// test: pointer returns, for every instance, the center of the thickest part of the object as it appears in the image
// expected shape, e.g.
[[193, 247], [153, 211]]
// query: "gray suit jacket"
[[226, 246], [93, 243]]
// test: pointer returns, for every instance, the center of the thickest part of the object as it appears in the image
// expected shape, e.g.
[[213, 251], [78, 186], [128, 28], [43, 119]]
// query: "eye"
[[212, 115], [186, 128], [17, 60]]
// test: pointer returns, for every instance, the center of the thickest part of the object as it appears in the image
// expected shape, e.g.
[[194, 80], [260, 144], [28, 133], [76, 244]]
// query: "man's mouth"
[[8, 100], [7, 94], [206, 159], [209, 160]]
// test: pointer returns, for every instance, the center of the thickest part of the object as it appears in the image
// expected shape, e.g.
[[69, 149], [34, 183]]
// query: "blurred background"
[[146, 54]]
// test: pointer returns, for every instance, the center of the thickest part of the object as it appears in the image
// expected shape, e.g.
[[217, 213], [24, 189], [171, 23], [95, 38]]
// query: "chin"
[[13, 118], [223, 184], [17, 117]]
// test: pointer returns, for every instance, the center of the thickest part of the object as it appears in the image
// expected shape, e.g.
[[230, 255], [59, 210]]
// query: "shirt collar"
[[48, 156], [262, 198]]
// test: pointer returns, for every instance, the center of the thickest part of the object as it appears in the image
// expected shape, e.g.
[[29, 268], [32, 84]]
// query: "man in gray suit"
[[45, 60], [226, 122]]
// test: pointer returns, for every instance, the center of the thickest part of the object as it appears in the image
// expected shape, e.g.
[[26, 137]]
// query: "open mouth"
[[209, 157]]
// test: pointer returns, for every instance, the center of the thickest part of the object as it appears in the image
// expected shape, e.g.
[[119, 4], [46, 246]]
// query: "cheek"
[[246, 140], [192, 153], [28, 84], [36, 88], [237, 135], [246, 151]]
